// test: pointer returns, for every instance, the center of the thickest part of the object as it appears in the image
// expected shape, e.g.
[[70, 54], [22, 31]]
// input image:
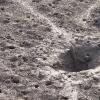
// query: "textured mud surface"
[[49, 49]]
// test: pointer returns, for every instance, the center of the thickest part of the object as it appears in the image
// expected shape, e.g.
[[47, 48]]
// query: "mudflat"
[[49, 49]]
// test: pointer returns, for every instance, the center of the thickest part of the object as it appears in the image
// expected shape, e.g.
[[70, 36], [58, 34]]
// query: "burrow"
[[80, 57]]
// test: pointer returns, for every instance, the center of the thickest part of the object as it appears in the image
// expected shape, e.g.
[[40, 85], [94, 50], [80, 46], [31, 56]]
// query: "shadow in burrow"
[[79, 58]]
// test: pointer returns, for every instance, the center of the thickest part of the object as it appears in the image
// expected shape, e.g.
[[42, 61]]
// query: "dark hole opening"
[[48, 83], [81, 0], [64, 98], [36, 86], [24, 92], [11, 47], [0, 91], [80, 58], [96, 23], [37, 1], [15, 79], [2, 8]]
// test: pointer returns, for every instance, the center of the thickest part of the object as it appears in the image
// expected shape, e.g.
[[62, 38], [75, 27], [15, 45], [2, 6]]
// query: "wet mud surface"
[[49, 50]]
